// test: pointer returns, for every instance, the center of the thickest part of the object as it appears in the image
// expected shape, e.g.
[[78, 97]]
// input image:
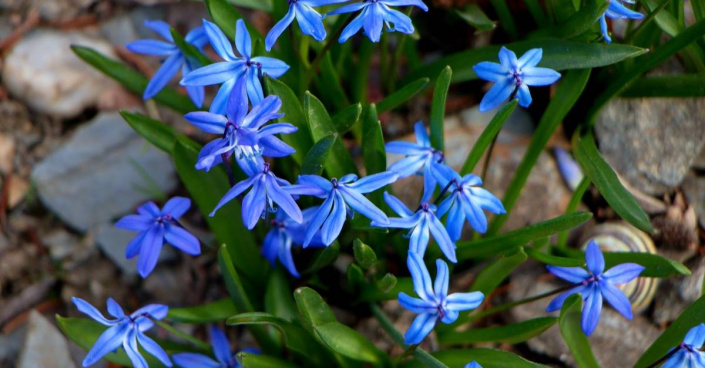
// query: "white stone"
[[44, 345]]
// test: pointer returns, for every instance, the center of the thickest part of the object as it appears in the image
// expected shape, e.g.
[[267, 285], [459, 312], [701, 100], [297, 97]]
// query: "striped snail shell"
[[622, 237]]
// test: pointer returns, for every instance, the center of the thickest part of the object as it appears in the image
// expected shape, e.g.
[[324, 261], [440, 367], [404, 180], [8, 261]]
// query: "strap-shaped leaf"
[[487, 358], [155, 132], [293, 114], [578, 23], [253, 360], [487, 136], [315, 159], [681, 85], [206, 313], [510, 334], [402, 95], [569, 322], [473, 15], [338, 162], [347, 117], [438, 107]]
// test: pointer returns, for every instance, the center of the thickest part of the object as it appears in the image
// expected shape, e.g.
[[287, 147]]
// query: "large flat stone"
[[44, 345], [102, 172]]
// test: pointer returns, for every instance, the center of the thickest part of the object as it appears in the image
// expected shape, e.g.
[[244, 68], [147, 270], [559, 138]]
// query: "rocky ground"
[[69, 166]]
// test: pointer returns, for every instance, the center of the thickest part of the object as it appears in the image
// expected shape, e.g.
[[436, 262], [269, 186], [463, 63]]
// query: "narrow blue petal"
[[455, 220], [153, 348], [591, 311], [459, 302], [417, 3], [490, 71], [623, 273], [558, 301], [574, 275], [353, 27], [524, 96], [272, 67], [400, 21], [374, 20], [207, 122], [154, 311], [695, 336], [283, 199], [679, 360], [263, 112], [135, 222], [408, 166], [508, 58], [233, 192], [487, 200], [416, 305], [152, 47], [221, 345], [114, 308], [359, 203], [254, 204], [423, 325], [287, 259], [593, 258], [422, 137], [347, 178], [160, 27], [275, 147], [399, 223], [192, 360], [348, 8], [254, 86], [279, 28], [183, 240], [243, 42], [91, 311], [397, 206], [278, 128], [196, 94], [214, 74], [603, 29], [163, 76], [473, 213], [133, 247], [536, 77], [209, 155], [442, 239], [107, 342], [616, 7], [149, 252], [420, 277], [219, 105], [473, 364], [334, 224], [176, 207], [373, 182], [449, 316], [616, 298], [499, 93], [197, 37], [530, 58], [310, 22], [405, 148], [316, 181], [318, 219], [130, 346], [440, 285], [271, 244], [149, 209], [219, 41]]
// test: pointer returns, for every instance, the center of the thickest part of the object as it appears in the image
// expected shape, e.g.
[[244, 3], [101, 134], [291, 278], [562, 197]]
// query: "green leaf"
[[606, 181], [278, 299], [402, 95], [225, 16], [487, 358], [323, 258], [674, 334], [373, 151], [569, 323], [494, 274], [550, 259], [330, 85], [509, 334], [578, 23], [346, 118], [313, 308], [132, 80], [681, 85], [566, 96], [356, 277], [206, 313], [514, 239], [348, 342], [473, 15], [315, 159], [505, 17], [557, 55], [373, 293], [189, 51], [386, 283], [155, 132], [487, 136], [293, 114], [338, 162], [438, 107], [206, 189], [254, 360], [364, 255], [265, 5]]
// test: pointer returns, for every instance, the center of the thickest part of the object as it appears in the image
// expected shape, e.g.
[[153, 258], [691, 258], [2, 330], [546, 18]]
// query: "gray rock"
[[113, 242], [119, 30], [694, 190], [55, 81], [103, 171], [44, 346], [62, 9], [10, 345], [675, 294], [652, 142]]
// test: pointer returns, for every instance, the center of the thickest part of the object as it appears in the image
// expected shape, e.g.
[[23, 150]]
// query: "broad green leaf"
[[606, 181], [665, 20], [438, 107], [386, 283], [373, 151], [680, 85], [279, 299], [402, 95], [313, 308], [253, 360], [509, 334], [155, 132], [566, 96], [316, 158], [132, 80], [655, 265], [473, 15], [494, 274], [323, 258], [206, 189], [225, 16], [293, 114], [487, 136], [346, 118], [348, 342], [514, 239], [330, 85], [557, 55], [569, 322], [550, 259], [487, 358], [189, 51], [206, 313], [578, 23], [338, 163], [674, 334], [364, 255]]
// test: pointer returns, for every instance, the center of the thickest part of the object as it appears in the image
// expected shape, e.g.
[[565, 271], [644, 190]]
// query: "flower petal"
[[508, 58], [499, 93], [423, 325], [354, 26], [214, 74], [176, 207], [536, 77], [233, 192], [152, 47], [114, 309], [696, 336], [459, 302], [591, 311], [219, 41], [318, 219], [219, 105], [574, 275], [373, 22], [135, 222], [442, 239], [416, 305], [417, 3], [373, 182], [254, 203], [243, 42], [440, 285], [420, 277], [179, 238], [623, 273], [207, 122], [154, 311], [164, 75], [149, 252], [593, 258], [558, 301], [91, 311], [524, 96], [130, 346], [107, 342], [221, 345], [279, 28], [192, 360], [310, 22], [160, 27], [334, 224], [359, 203], [153, 348], [237, 103], [530, 58], [272, 67], [617, 299], [282, 199], [490, 71]]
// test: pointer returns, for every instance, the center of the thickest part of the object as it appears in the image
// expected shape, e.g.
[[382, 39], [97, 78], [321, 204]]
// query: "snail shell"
[[622, 237]]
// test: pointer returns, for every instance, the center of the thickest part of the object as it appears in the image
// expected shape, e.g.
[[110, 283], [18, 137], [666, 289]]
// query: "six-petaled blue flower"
[[126, 331], [374, 15], [221, 350], [157, 227], [228, 72], [310, 21], [421, 225], [473, 365], [174, 61], [467, 200], [420, 158], [267, 190], [434, 304], [339, 194], [688, 354], [616, 10], [512, 76], [594, 285], [284, 235], [242, 133]]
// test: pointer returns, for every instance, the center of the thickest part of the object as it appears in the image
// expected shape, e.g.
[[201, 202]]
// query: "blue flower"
[[466, 201], [241, 132], [310, 22], [221, 349], [421, 224], [234, 68], [568, 167], [473, 364], [266, 192], [285, 234], [125, 331], [617, 11], [594, 284], [688, 354], [513, 76], [376, 13], [157, 227], [435, 303], [175, 59], [420, 158], [339, 194]]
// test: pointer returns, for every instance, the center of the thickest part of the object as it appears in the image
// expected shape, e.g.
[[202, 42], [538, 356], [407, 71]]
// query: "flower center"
[[517, 78], [438, 155], [161, 220], [425, 206], [253, 63], [592, 279], [266, 168], [334, 181]]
